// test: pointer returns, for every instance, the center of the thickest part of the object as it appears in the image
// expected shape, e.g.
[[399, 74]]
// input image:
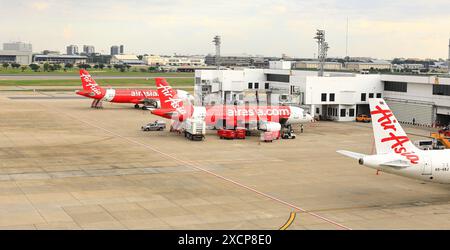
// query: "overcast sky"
[[377, 28]]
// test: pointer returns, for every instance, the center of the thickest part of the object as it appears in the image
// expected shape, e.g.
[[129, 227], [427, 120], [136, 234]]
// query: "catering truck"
[[194, 129]]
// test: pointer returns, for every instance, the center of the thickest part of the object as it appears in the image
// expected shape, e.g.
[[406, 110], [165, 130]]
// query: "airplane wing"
[[351, 154]]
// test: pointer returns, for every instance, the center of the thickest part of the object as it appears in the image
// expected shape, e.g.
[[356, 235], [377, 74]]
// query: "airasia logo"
[[397, 141], [90, 83], [175, 103], [143, 93], [283, 112]]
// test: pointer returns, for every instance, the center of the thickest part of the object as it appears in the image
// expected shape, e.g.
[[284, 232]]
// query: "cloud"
[[68, 32], [40, 6], [379, 28]]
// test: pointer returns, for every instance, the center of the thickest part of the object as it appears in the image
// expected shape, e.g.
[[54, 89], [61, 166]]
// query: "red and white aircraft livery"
[[396, 154], [146, 97], [230, 116]]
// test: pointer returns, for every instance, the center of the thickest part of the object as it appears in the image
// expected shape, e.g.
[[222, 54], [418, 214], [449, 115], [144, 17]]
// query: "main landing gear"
[[136, 106], [287, 132], [97, 104]]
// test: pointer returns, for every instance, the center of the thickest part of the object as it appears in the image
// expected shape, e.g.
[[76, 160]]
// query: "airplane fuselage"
[[432, 165], [135, 96], [235, 116]]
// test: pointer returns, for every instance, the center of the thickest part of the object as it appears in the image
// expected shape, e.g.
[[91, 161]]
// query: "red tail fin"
[[89, 83], [168, 96]]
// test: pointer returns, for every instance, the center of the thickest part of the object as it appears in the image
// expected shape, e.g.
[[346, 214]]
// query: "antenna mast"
[[322, 48], [217, 42]]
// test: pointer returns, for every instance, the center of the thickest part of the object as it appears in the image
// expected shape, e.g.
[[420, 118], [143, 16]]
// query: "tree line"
[[50, 67]]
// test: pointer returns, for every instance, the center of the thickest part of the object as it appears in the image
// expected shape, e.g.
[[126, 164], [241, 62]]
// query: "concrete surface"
[[66, 166]]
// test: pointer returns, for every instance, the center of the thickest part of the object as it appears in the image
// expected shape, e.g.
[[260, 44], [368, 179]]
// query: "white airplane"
[[396, 154]]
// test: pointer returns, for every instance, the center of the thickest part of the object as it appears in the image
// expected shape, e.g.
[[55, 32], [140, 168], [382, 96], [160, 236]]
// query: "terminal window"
[[396, 86], [324, 97], [266, 85], [363, 97], [332, 111], [441, 89], [352, 112], [332, 97], [342, 112], [256, 85], [378, 95], [250, 85], [370, 95], [277, 78]]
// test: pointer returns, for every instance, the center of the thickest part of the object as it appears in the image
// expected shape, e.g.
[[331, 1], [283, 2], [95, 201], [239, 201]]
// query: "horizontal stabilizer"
[[351, 154], [168, 113], [396, 164]]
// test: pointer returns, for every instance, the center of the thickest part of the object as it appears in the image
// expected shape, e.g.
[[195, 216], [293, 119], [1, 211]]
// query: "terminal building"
[[20, 57], [369, 65], [315, 65], [242, 60], [126, 59], [337, 96], [16, 52], [60, 59], [18, 46]]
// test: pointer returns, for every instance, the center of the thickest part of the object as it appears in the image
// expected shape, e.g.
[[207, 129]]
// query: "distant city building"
[[260, 62], [98, 58], [20, 57], [88, 49], [154, 60], [17, 52], [315, 65], [18, 46], [114, 50], [285, 65], [175, 61], [372, 65], [72, 50], [126, 59], [360, 59], [121, 51], [439, 67], [72, 59], [50, 52], [185, 61], [413, 66], [230, 60]]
